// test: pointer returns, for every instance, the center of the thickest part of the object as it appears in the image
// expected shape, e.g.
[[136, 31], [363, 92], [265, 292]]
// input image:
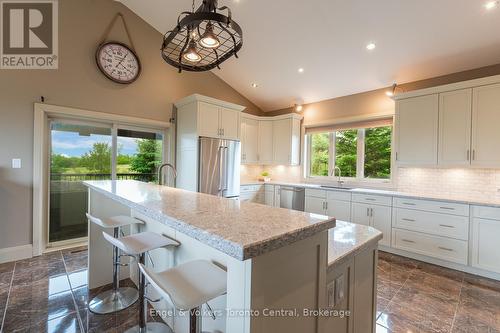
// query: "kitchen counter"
[[239, 229], [347, 239], [425, 196]]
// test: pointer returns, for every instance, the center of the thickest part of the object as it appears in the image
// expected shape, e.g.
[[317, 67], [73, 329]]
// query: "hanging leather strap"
[[110, 26]]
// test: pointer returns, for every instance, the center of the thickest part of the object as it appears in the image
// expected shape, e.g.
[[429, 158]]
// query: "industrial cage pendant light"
[[202, 39]]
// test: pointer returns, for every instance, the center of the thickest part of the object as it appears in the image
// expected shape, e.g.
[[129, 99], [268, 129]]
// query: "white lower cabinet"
[[315, 205], [485, 238], [341, 210], [269, 195], [252, 193], [448, 249], [375, 216]]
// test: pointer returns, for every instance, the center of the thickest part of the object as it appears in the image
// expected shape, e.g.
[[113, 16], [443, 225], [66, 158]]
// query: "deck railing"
[[74, 177]]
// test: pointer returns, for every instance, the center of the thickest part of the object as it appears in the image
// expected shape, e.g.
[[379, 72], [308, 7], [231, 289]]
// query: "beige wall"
[[376, 102], [78, 83]]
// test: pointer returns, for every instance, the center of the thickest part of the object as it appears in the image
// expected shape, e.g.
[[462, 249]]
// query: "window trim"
[[360, 159]]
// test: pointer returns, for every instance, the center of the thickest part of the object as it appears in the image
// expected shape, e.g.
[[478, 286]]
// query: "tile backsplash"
[[250, 173], [462, 183]]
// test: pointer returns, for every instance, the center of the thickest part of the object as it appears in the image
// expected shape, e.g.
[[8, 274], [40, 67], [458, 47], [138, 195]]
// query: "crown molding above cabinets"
[[449, 126]]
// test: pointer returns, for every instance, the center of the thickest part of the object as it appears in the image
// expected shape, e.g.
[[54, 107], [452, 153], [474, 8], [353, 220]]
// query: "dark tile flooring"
[[50, 294]]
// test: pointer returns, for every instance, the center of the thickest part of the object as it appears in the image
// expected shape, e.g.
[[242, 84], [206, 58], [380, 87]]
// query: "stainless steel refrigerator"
[[219, 167]]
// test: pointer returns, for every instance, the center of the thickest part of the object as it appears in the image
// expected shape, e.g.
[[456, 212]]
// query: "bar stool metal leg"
[[117, 298], [195, 320], [145, 326]]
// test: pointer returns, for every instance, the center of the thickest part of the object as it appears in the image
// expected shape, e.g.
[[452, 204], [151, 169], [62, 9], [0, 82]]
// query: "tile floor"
[[49, 294]]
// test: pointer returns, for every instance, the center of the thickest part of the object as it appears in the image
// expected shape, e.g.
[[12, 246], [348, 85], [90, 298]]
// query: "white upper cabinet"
[[208, 119], [199, 115], [417, 130], [265, 141], [485, 120], [455, 117], [229, 123], [249, 140], [277, 140]]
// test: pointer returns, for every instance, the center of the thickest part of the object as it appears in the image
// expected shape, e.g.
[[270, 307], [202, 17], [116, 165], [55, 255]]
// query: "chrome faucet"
[[340, 181], [160, 169]]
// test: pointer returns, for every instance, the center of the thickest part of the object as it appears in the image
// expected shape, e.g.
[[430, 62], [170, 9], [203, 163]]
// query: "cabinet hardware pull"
[[448, 208], [409, 220], [409, 203], [446, 226], [367, 211], [407, 240], [445, 248], [370, 199], [326, 205], [473, 154], [396, 156], [468, 155]]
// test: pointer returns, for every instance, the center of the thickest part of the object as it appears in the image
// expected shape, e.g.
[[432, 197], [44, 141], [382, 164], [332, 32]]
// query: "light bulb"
[[191, 54], [209, 39], [389, 93]]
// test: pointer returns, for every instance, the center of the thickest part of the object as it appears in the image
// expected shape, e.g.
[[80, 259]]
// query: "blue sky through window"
[[71, 144]]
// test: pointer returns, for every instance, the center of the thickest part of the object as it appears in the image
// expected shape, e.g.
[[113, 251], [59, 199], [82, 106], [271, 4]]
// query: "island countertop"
[[240, 229]]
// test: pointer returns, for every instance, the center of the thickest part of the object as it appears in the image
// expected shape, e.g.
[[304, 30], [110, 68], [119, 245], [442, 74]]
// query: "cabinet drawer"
[[310, 192], [250, 188], [373, 199], [433, 206], [485, 212], [338, 195], [433, 246], [432, 223]]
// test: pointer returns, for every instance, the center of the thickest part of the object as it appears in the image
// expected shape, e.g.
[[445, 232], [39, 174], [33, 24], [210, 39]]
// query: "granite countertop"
[[439, 197], [240, 229], [347, 239]]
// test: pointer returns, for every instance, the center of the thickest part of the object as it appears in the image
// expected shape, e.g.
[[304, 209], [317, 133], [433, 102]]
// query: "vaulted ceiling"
[[328, 38]]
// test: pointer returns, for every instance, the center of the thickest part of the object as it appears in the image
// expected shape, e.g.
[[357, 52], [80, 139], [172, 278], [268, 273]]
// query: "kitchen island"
[[276, 259]]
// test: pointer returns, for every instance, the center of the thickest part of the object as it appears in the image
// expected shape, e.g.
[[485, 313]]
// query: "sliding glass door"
[[93, 151]]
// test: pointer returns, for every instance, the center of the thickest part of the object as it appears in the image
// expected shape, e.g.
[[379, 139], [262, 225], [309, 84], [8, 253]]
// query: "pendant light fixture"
[[202, 39], [209, 39], [191, 54]]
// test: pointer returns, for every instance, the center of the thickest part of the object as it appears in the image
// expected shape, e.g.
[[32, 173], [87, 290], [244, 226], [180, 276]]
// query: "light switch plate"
[[16, 163]]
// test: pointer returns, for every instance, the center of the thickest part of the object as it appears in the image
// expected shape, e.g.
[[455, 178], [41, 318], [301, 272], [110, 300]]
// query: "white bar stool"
[[189, 286], [138, 245], [118, 298]]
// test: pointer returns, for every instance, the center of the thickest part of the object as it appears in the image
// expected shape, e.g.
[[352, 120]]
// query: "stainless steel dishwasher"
[[292, 197]]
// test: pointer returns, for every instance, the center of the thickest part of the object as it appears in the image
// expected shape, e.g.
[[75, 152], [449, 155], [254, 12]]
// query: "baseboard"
[[443, 263], [16, 253]]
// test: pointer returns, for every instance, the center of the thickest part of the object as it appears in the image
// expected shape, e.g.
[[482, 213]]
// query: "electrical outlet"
[[330, 291], [16, 163], [339, 289]]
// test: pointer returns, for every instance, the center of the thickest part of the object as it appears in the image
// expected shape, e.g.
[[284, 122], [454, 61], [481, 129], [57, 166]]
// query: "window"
[[359, 153]]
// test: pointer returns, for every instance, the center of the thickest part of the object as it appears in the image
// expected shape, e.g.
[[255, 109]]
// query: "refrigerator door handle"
[[225, 174], [219, 152]]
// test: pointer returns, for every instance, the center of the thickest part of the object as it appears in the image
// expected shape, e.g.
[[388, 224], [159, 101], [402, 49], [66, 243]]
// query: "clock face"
[[118, 62]]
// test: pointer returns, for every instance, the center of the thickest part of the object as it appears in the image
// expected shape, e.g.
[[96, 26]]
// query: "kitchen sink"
[[336, 187]]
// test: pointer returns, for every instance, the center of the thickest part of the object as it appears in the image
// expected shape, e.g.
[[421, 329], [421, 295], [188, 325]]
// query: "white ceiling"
[[328, 38]]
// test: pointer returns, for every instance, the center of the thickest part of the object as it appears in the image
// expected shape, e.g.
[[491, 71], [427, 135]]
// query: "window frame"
[[360, 159]]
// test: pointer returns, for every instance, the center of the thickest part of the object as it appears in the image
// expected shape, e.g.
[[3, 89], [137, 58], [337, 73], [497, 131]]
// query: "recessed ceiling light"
[[371, 46], [300, 70], [254, 85], [491, 5]]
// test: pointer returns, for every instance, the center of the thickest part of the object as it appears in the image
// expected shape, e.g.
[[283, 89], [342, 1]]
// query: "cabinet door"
[[230, 124], [282, 140], [382, 221], [485, 240], [266, 141], [315, 205], [269, 197], [417, 130], [360, 213], [341, 210], [485, 120], [208, 120], [455, 117], [249, 138]]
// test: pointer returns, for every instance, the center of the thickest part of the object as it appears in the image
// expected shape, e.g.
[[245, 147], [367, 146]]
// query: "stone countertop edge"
[[228, 247], [387, 193], [340, 256]]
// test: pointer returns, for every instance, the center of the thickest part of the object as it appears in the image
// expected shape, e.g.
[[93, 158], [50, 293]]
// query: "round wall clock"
[[118, 62]]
